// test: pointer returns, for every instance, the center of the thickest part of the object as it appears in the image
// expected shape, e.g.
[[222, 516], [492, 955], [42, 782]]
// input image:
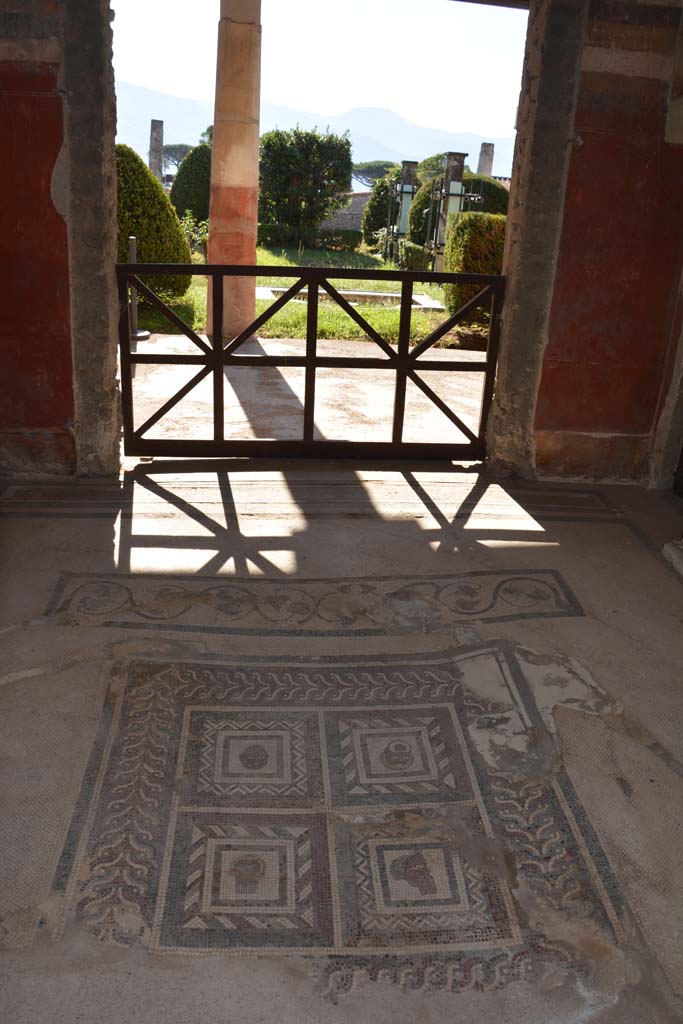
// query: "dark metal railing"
[[220, 353]]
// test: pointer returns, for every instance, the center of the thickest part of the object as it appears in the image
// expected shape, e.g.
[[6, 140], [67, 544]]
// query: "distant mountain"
[[376, 134]]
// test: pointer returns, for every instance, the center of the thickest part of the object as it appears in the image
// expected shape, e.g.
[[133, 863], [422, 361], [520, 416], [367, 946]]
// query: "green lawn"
[[333, 322], [330, 258]]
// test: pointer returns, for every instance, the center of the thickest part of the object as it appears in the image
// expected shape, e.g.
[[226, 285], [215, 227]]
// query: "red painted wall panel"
[[619, 265], [36, 388]]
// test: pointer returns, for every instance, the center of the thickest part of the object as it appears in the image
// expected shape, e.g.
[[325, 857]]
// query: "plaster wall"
[[36, 393], [612, 331], [58, 393]]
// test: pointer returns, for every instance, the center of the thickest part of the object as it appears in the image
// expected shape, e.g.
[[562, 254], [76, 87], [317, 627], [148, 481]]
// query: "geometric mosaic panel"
[[247, 881], [252, 755], [330, 807], [397, 756], [421, 892]]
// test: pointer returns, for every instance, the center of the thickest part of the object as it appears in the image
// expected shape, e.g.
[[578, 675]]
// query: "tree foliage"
[[206, 138], [371, 170], [376, 212], [435, 166], [432, 166], [145, 211], [174, 154], [191, 188], [304, 176]]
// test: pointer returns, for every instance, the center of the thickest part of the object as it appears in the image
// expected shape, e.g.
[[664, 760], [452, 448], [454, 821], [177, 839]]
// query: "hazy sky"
[[439, 63]]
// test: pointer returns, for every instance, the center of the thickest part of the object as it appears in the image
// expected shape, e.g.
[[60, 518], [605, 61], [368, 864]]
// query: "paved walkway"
[[291, 741], [351, 404]]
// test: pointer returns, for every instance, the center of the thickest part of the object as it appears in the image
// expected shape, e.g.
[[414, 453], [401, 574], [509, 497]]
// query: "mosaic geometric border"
[[188, 842], [319, 607]]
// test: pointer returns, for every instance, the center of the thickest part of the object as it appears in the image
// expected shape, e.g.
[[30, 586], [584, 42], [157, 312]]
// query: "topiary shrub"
[[495, 196], [144, 210], [411, 256], [419, 213], [191, 188], [376, 210], [474, 245]]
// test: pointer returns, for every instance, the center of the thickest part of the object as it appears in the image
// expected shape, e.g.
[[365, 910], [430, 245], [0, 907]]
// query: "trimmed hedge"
[[144, 210], [474, 245], [191, 188], [496, 196], [341, 239], [419, 213], [411, 256], [272, 235]]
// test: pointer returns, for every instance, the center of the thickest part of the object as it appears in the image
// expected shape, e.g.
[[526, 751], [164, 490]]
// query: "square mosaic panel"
[[246, 880], [336, 807], [421, 891], [251, 756], [398, 756]]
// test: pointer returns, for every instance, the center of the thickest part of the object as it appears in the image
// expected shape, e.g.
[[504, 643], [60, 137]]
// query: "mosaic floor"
[[343, 765], [343, 807]]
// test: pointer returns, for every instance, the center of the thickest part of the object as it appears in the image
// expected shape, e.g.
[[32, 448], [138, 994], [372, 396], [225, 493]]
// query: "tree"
[[432, 166], [144, 210], [206, 138], [191, 188], [376, 212], [371, 170], [174, 154], [304, 176]]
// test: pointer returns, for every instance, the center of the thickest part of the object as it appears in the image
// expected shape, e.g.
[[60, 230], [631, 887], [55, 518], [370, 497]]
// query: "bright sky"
[[439, 63]]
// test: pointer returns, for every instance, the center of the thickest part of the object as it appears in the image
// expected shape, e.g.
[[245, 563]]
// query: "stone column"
[[408, 176], [156, 149], [485, 165], [450, 202], [545, 135], [233, 217]]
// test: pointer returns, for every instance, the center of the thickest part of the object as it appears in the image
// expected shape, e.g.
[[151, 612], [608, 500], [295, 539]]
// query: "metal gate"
[[213, 357]]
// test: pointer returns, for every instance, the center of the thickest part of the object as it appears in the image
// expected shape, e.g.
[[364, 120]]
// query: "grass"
[[191, 308], [333, 322], [331, 258]]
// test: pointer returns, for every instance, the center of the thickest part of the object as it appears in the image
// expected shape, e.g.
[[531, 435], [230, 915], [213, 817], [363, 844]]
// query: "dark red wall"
[[619, 264], [36, 389]]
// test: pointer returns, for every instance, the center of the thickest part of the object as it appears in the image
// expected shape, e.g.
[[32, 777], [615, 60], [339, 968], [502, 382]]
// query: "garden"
[[304, 177]]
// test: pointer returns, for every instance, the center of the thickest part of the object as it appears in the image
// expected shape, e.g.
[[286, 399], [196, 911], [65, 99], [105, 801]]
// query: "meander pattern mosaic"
[[330, 807]]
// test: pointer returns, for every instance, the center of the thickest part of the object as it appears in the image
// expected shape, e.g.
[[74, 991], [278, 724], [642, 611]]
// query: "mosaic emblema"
[[331, 807]]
